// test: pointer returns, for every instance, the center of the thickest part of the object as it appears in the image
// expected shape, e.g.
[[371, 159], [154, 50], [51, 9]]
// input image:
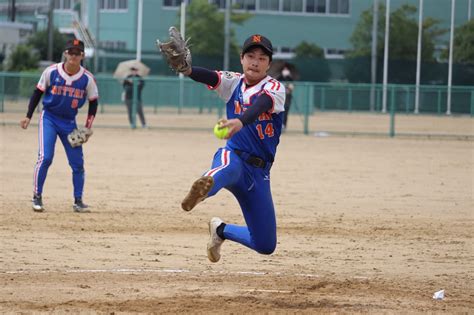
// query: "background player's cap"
[[260, 41], [75, 43]]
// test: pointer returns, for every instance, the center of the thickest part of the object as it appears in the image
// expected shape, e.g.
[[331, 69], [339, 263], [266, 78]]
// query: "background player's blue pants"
[[49, 128], [251, 187]]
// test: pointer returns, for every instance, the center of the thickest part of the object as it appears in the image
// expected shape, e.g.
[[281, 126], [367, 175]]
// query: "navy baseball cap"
[[75, 43], [258, 40]]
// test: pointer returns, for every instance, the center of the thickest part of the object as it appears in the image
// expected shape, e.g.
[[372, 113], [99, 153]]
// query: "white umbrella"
[[125, 68]]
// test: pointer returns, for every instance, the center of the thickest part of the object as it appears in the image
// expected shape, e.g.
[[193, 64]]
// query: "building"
[[327, 23], [12, 34]]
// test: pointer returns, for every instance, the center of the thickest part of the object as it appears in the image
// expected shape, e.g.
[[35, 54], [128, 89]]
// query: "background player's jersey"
[[65, 94], [261, 137]]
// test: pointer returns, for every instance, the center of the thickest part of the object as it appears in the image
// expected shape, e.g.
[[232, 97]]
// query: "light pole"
[[385, 56], [227, 34], [450, 72], [374, 54], [418, 58]]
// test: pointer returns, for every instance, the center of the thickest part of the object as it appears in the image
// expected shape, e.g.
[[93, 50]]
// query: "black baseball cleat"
[[37, 203], [80, 206]]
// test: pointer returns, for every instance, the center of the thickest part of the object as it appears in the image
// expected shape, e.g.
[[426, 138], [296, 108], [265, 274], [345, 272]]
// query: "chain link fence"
[[317, 108]]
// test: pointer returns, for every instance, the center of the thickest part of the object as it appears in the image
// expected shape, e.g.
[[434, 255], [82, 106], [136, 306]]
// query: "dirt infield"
[[364, 225]]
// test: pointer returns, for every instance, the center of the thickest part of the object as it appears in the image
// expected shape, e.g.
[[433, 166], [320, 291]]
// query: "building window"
[[219, 3], [287, 6], [113, 45], [64, 4], [172, 3], [321, 6], [123, 4], [334, 53], [113, 5], [316, 6], [339, 6], [250, 5], [269, 5], [293, 5], [283, 52]]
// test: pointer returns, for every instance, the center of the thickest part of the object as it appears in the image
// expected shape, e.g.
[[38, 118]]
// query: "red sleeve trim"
[[39, 87]]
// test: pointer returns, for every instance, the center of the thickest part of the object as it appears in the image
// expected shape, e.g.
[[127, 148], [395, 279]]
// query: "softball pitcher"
[[255, 109], [66, 86]]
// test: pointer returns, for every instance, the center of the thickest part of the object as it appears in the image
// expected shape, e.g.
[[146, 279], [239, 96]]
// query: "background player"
[[66, 86], [255, 106], [128, 89]]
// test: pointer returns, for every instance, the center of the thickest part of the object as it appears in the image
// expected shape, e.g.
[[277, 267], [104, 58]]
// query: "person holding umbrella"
[[128, 89]]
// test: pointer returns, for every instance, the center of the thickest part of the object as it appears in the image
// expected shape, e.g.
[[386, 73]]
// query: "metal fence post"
[[101, 103], [323, 97], [349, 96], [306, 109], [407, 100], [439, 102], [2, 108], [155, 103], [472, 103], [392, 112], [181, 93]]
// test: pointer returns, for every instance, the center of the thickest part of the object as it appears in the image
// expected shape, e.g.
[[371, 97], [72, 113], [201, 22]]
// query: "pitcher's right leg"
[[224, 172]]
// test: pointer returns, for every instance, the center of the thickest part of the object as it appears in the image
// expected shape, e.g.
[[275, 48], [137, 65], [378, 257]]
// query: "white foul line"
[[141, 270]]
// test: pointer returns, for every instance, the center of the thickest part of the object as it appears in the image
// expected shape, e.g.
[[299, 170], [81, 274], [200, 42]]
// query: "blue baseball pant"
[[50, 127], [251, 188]]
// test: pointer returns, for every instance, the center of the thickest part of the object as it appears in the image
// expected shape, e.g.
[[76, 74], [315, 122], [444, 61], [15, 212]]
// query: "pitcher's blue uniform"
[[250, 184], [63, 96], [255, 109]]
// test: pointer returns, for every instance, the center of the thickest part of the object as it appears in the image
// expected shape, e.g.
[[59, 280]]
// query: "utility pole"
[[139, 30], [374, 54], [418, 57], [450, 70], [12, 11], [469, 11], [50, 30], [385, 56], [227, 34], [97, 40]]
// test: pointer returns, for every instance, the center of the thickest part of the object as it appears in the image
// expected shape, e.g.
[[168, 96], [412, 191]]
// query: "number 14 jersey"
[[262, 136]]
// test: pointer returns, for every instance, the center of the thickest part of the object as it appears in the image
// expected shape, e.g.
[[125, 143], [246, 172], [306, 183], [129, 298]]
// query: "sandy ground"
[[323, 124], [365, 225]]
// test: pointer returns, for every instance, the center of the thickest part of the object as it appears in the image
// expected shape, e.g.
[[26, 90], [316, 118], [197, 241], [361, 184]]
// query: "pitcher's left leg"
[[259, 213]]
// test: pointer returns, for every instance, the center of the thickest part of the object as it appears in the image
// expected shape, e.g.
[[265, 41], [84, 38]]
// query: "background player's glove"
[[79, 136], [176, 51]]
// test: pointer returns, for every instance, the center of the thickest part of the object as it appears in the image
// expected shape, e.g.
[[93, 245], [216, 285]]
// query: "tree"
[[205, 27], [23, 58], [310, 62], [403, 34], [402, 46], [463, 44], [39, 40], [308, 50]]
